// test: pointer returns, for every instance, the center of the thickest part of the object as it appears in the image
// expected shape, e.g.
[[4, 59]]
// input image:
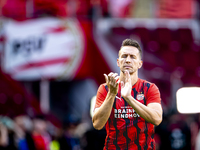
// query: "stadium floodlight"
[[188, 100]]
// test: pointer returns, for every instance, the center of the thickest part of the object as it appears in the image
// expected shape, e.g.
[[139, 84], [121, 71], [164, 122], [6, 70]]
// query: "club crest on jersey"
[[140, 96]]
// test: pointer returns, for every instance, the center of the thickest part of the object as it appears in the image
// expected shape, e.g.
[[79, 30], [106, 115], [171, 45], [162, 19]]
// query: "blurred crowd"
[[25, 133], [25, 9], [177, 132]]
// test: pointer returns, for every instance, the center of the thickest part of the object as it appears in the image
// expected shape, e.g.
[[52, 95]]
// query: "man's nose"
[[128, 59]]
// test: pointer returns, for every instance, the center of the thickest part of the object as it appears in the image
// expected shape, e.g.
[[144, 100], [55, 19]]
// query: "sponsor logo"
[[125, 112]]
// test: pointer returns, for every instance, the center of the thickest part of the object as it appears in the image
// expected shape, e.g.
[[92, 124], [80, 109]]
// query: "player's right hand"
[[112, 81]]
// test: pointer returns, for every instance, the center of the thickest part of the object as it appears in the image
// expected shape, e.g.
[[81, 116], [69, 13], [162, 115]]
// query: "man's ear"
[[118, 62], [140, 64]]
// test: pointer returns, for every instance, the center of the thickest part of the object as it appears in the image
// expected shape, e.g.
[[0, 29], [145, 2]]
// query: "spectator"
[[7, 134], [41, 137], [24, 124]]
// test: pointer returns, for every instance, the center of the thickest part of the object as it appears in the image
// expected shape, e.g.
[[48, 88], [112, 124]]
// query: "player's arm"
[[151, 113], [102, 113]]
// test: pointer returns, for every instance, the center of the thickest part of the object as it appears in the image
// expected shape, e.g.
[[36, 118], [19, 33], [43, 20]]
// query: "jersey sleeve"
[[153, 95], [101, 95]]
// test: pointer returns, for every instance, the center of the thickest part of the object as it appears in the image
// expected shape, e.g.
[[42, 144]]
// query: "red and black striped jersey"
[[126, 130]]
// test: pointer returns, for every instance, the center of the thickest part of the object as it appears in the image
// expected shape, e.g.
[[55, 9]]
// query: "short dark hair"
[[131, 42]]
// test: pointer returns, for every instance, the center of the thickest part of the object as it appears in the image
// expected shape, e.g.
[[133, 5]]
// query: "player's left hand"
[[126, 87]]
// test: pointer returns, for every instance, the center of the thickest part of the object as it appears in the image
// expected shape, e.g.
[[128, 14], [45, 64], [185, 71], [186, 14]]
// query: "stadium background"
[[54, 54]]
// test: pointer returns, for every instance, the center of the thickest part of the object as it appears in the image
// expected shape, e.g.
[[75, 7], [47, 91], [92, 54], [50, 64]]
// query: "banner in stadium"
[[43, 48]]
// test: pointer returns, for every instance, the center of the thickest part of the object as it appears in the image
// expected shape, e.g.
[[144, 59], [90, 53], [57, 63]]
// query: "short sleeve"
[[153, 94], [101, 95]]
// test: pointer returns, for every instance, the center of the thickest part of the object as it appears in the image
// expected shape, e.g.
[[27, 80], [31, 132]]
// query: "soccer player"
[[126, 105]]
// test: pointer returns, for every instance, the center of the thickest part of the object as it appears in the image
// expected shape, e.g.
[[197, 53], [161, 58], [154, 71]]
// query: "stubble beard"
[[130, 71]]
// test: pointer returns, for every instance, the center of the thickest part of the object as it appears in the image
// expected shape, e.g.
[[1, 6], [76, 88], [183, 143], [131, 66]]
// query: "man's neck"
[[134, 77]]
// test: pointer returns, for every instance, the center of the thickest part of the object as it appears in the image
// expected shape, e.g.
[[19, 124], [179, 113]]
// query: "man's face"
[[129, 59]]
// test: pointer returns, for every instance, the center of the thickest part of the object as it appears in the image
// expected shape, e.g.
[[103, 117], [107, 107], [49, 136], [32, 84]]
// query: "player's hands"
[[112, 83], [126, 87]]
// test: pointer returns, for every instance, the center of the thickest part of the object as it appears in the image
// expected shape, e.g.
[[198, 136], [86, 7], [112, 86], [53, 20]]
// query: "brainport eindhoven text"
[[125, 113]]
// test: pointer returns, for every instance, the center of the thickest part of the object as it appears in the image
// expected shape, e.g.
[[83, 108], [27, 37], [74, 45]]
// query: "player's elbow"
[[157, 121], [96, 125]]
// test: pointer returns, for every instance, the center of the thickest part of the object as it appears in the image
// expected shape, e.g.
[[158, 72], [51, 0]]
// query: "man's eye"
[[124, 56], [133, 57]]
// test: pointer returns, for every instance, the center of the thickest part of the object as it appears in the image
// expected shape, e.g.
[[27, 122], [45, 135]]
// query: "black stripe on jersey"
[[136, 141], [152, 136], [117, 131], [148, 86], [125, 133], [152, 143], [146, 128], [106, 87], [108, 139], [146, 135], [114, 124], [145, 102]]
